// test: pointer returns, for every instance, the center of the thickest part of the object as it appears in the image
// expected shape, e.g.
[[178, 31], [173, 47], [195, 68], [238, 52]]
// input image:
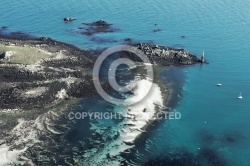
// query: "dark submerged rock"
[[102, 40], [4, 28], [100, 26], [233, 137], [182, 157], [157, 30], [87, 33], [128, 40], [176, 159], [98, 23], [18, 35]]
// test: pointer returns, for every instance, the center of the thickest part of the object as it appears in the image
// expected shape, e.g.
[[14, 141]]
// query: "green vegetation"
[[24, 55]]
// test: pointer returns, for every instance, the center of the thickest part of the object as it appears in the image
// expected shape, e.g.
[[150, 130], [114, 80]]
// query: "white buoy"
[[240, 96]]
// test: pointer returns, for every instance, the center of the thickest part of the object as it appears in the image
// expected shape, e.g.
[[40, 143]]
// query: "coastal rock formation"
[[166, 56]]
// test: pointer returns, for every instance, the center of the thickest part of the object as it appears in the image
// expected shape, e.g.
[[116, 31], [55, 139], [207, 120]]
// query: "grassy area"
[[24, 55]]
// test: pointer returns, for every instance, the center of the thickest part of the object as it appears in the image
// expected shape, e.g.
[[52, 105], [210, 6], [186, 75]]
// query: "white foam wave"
[[136, 118]]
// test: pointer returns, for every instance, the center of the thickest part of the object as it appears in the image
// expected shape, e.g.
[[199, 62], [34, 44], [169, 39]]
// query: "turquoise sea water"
[[212, 117]]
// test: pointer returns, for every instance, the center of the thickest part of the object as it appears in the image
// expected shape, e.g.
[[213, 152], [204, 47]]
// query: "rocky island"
[[40, 74]]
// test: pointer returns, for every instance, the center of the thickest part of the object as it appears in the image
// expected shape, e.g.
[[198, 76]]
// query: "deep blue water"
[[212, 117]]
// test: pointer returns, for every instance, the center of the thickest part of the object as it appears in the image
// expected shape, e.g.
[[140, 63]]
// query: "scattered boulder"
[[69, 19]]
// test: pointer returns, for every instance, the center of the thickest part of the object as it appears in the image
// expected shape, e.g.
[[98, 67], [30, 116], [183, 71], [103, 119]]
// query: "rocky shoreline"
[[167, 56]]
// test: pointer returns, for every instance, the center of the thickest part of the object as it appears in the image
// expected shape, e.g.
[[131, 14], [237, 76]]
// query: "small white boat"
[[240, 97], [219, 84]]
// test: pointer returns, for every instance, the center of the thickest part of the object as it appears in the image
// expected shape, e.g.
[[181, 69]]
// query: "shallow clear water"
[[220, 28]]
